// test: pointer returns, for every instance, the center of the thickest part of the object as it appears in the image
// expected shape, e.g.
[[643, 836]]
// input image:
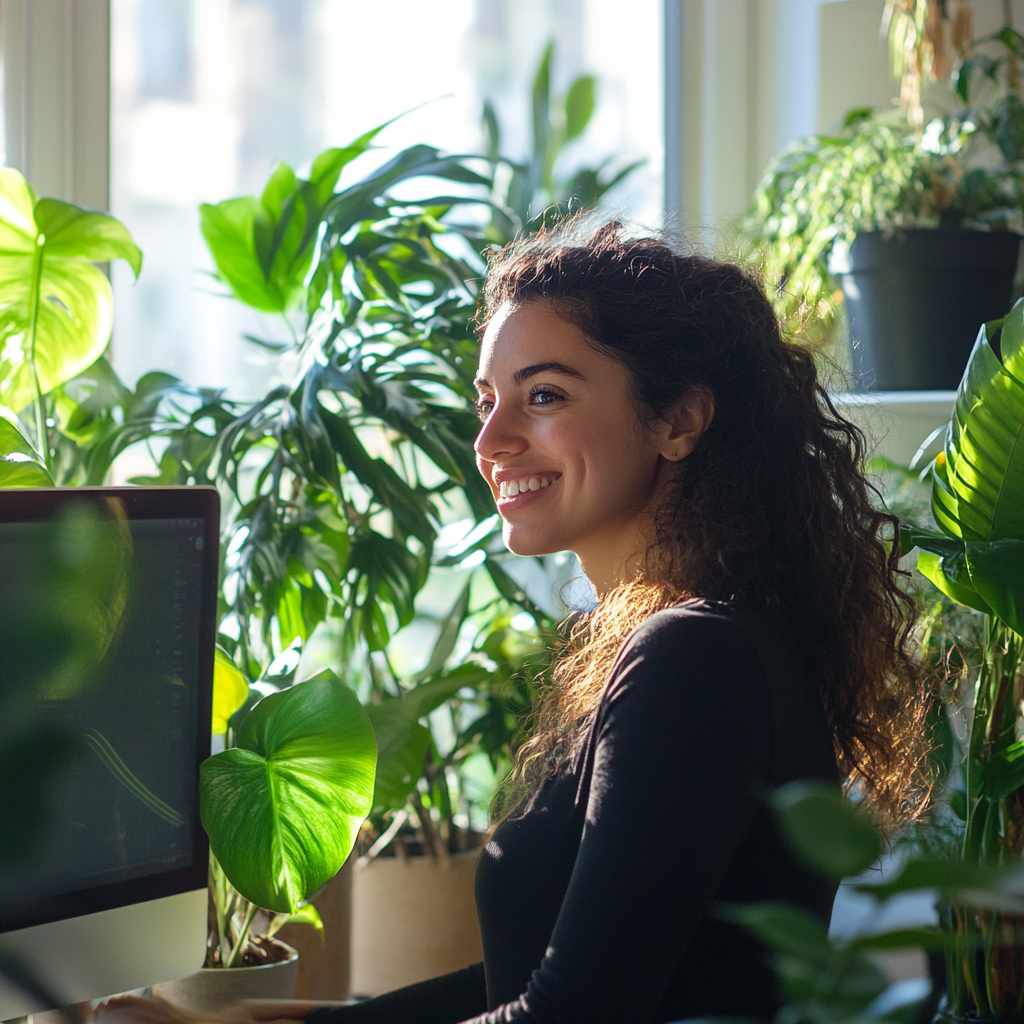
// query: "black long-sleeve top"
[[595, 896]]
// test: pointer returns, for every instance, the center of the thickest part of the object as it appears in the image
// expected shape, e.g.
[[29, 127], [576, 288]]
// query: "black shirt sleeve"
[[445, 1000], [683, 738]]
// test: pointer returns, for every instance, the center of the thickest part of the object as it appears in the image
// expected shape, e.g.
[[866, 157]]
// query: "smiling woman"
[[640, 407]]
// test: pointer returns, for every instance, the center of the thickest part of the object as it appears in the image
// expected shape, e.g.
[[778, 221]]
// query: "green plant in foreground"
[[976, 558], [828, 981]]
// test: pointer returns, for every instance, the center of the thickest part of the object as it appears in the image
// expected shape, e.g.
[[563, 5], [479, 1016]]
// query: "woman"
[[640, 408]]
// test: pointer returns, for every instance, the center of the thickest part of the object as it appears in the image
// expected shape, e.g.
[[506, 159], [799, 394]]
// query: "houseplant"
[[908, 218], [287, 800], [976, 558]]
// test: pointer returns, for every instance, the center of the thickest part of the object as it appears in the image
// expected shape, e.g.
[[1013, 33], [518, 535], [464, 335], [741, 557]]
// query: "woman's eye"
[[484, 407], [544, 396]]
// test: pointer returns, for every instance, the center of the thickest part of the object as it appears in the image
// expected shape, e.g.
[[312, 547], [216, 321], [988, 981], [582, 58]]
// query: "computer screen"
[[115, 590]]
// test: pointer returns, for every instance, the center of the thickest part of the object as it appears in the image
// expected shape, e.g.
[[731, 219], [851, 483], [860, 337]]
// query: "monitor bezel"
[[197, 502]]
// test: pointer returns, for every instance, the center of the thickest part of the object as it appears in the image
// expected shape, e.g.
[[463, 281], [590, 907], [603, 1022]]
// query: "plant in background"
[[976, 558], [528, 192], [888, 171]]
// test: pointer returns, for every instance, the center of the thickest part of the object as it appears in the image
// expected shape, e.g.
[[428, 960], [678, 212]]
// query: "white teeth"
[[510, 488]]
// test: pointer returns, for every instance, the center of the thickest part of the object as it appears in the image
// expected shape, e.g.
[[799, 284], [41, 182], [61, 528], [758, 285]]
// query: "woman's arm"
[[684, 732]]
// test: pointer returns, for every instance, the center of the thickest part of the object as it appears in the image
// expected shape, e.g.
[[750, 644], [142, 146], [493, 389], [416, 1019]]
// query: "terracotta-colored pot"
[[412, 919], [216, 988]]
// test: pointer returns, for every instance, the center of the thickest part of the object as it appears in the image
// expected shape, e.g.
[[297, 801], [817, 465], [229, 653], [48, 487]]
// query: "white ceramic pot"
[[216, 988], [412, 919]]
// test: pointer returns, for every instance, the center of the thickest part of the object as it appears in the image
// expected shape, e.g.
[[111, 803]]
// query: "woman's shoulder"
[[695, 621], [698, 639]]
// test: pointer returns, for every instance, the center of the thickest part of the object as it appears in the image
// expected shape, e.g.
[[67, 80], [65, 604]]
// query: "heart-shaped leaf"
[[55, 304], [282, 809]]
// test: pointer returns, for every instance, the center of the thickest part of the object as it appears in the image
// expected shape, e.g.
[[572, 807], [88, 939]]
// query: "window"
[[206, 96]]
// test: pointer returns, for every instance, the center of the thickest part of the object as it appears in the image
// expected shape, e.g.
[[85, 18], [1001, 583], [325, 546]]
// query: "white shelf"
[[897, 422]]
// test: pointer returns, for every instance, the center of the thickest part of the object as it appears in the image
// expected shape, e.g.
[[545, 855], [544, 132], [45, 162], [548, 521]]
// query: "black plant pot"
[[916, 299]]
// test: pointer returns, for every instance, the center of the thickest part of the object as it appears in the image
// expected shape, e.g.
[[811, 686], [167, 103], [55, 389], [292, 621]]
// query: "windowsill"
[[898, 422]]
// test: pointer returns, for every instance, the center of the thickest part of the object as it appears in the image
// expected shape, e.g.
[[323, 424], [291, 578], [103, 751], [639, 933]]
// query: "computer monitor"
[[108, 602]]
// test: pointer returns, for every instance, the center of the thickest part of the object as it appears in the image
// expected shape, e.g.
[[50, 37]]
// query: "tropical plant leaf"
[[282, 809], [56, 310], [782, 927], [825, 830], [984, 453], [307, 914], [19, 466], [1003, 772], [230, 690], [402, 741]]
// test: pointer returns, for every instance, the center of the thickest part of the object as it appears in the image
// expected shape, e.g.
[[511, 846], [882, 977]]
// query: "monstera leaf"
[[56, 309], [978, 482], [283, 807]]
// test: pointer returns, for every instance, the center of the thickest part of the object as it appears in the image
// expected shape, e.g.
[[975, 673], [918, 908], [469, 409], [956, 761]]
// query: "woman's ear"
[[679, 429]]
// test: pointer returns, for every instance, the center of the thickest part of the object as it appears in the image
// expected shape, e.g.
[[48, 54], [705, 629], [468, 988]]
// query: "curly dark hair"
[[771, 509]]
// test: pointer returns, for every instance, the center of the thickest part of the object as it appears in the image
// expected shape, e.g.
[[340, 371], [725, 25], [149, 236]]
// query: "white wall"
[[753, 76]]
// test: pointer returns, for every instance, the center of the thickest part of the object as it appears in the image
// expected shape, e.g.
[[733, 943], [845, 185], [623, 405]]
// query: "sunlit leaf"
[[230, 690], [54, 302], [282, 809]]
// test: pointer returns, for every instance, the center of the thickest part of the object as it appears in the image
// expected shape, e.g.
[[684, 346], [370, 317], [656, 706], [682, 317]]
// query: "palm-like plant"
[[977, 559]]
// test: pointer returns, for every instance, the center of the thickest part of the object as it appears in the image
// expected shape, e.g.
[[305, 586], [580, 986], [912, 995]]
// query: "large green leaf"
[[984, 453], [53, 299], [997, 572], [263, 247], [282, 809], [978, 482], [784, 928]]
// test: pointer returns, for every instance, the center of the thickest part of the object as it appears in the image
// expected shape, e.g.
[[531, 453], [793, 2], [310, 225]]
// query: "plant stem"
[[42, 437], [243, 934]]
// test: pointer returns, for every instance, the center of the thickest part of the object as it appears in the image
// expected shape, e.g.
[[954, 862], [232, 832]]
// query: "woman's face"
[[567, 459]]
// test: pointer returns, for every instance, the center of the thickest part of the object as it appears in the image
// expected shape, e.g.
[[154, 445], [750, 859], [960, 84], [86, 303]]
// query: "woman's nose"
[[499, 436]]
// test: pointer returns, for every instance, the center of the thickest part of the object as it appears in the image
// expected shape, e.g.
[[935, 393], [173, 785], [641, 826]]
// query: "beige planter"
[[216, 988], [412, 919], [324, 966]]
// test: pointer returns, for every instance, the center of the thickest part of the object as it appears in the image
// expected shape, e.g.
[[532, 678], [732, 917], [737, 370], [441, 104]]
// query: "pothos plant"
[[976, 558]]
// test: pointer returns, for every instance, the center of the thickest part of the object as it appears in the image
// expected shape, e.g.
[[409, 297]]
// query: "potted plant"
[[282, 807], [287, 800], [918, 224], [976, 558]]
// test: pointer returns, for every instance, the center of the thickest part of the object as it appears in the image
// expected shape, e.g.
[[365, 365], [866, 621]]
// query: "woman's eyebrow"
[[481, 383]]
